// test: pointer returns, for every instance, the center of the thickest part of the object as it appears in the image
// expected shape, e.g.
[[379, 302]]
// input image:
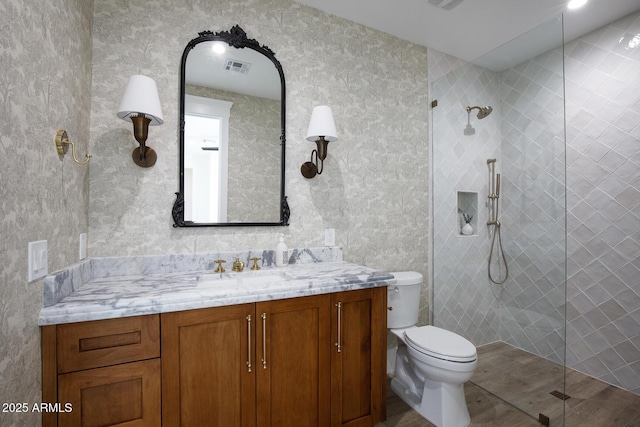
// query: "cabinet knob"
[[390, 308]]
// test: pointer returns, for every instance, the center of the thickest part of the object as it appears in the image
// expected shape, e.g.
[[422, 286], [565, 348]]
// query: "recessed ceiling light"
[[575, 4]]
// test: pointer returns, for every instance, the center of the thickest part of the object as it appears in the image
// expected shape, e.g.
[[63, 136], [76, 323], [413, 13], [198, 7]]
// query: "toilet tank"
[[403, 299]]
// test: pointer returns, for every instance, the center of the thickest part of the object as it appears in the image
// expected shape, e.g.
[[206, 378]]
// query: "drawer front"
[[99, 343], [122, 395]]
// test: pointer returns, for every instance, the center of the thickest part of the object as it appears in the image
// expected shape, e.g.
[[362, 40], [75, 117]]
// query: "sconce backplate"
[[148, 160], [62, 142], [309, 170]]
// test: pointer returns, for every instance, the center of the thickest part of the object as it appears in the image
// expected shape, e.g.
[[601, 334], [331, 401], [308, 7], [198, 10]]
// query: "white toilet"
[[431, 364]]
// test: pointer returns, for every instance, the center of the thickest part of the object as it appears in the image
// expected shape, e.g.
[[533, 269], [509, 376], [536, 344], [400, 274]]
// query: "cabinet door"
[[208, 373], [293, 362], [358, 359], [120, 395]]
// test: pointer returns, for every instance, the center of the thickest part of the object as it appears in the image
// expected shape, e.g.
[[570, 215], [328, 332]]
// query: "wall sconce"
[[63, 143], [322, 131], [141, 105]]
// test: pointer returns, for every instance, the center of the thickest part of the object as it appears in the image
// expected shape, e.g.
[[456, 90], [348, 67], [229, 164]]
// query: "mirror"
[[232, 133]]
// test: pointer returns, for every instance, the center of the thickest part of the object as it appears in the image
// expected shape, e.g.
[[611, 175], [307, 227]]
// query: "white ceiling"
[[473, 27], [207, 68]]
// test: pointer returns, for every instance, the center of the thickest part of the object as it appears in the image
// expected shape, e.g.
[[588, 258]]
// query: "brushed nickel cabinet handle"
[[264, 340], [339, 343], [249, 342]]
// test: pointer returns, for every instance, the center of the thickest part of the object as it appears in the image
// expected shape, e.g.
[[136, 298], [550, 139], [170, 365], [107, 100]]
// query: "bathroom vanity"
[[300, 345]]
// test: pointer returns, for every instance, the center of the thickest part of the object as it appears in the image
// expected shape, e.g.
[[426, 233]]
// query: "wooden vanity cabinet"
[[293, 375], [313, 361], [102, 373], [277, 363], [264, 364], [358, 359], [208, 367]]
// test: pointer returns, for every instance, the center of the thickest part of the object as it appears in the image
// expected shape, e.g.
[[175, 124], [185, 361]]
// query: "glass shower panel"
[[518, 326]]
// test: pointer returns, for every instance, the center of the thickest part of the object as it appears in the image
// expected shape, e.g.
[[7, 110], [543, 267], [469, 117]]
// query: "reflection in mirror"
[[206, 134], [232, 137]]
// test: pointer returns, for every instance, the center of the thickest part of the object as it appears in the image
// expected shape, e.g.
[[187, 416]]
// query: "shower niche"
[[467, 213]]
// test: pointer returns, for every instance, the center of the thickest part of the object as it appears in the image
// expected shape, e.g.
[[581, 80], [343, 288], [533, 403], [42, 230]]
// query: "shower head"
[[482, 111]]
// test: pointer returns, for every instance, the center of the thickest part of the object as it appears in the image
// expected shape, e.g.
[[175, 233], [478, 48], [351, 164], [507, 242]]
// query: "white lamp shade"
[[141, 97], [322, 124]]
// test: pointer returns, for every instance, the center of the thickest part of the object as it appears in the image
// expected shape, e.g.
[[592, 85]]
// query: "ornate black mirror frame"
[[237, 38]]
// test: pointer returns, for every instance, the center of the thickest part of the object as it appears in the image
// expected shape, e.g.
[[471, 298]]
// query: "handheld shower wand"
[[494, 196], [494, 193]]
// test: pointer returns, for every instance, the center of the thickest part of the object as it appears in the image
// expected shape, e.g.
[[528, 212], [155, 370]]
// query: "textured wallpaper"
[[45, 81], [374, 189]]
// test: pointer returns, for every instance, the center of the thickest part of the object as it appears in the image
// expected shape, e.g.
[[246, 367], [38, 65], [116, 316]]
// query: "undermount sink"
[[245, 278]]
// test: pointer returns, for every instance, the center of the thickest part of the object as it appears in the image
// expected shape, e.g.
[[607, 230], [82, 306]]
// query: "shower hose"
[[502, 258]]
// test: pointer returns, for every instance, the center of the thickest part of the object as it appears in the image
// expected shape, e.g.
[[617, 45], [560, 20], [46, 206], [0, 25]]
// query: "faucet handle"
[[255, 265], [219, 262]]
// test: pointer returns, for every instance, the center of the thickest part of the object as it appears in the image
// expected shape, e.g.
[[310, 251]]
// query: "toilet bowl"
[[431, 364]]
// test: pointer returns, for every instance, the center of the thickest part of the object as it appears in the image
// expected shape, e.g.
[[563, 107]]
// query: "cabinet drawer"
[[99, 343], [121, 395]]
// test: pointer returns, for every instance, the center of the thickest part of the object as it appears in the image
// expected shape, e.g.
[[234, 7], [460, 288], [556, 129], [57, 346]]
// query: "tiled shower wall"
[[603, 178], [463, 300], [533, 204], [602, 73], [528, 310]]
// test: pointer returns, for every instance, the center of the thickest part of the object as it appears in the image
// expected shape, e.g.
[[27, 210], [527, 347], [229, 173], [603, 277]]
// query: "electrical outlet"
[[82, 253], [329, 236], [38, 260]]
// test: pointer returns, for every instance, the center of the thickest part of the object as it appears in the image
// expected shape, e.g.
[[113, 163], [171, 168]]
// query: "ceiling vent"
[[237, 66], [445, 4]]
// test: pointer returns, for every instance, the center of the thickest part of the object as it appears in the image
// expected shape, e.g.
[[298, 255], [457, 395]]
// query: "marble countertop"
[[137, 294]]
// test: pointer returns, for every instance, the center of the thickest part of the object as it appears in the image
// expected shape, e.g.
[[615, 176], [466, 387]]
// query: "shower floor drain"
[[560, 395]]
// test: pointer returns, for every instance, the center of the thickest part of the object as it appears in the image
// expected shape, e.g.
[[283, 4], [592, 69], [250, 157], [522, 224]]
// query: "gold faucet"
[[238, 265], [219, 262], [255, 265]]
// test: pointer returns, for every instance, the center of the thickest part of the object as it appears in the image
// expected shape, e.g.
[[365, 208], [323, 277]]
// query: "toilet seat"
[[441, 344]]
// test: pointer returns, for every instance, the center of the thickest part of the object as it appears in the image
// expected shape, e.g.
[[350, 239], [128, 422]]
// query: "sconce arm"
[[312, 168], [62, 145], [319, 161]]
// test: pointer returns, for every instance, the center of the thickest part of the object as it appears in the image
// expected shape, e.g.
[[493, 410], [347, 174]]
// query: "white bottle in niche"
[[282, 253]]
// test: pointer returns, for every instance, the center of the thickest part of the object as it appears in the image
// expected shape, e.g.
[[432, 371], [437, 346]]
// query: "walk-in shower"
[[497, 259], [517, 199]]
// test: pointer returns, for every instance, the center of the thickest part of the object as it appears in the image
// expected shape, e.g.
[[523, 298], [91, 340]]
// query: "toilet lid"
[[440, 343]]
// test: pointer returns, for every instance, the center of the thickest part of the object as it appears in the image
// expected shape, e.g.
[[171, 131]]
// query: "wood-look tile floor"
[[505, 373]]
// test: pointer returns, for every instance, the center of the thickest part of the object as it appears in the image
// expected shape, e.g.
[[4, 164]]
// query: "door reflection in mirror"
[[206, 158]]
